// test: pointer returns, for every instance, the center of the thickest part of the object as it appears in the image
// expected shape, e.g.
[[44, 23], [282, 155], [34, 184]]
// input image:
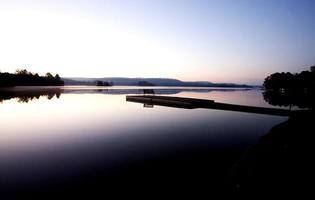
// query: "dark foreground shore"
[[280, 163]]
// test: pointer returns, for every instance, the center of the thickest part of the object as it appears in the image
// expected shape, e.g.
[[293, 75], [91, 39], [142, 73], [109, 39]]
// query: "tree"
[[99, 83], [57, 77], [22, 72], [49, 75], [291, 89], [279, 81]]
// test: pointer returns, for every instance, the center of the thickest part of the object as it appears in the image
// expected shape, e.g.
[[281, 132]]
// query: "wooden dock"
[[191, 103]]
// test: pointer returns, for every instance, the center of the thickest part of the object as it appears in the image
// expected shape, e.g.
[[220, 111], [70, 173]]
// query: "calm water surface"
[[78, 130]]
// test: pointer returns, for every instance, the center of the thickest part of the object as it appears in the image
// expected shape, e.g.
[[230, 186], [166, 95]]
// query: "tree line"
[[24, 78], [287, 89], [288, 81]]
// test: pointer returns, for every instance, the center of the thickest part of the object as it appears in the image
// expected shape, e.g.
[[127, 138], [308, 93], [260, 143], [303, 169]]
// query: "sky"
[[240, 41]]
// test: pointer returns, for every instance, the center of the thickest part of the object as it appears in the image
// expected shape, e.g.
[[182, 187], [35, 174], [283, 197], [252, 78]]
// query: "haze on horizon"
[[220, 41]]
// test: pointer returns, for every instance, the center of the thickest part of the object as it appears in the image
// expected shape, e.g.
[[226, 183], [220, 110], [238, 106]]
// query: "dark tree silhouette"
[[286, 89], [278, 81], [57, 77], [49, 75], [99, 83], [102, 83], [24, 78], [287, 81]]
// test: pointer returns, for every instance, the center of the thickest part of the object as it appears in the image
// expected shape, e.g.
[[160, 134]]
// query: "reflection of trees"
[[301, 99], [50, 96], [26, 99], [26, 96]]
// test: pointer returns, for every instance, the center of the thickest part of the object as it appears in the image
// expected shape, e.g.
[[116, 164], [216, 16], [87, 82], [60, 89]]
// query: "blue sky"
[[239, 41]]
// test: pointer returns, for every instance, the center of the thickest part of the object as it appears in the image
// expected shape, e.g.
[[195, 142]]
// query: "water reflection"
[[86, 142], [301, 99], [26, 95], [148, 90], [277, 99], [278, 164]]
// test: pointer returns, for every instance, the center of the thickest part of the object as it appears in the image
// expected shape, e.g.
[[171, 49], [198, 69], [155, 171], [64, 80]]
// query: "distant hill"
[[69, 81], [149, 81]]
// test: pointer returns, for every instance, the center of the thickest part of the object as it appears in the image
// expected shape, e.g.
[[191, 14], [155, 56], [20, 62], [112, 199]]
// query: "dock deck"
[[192, 103]]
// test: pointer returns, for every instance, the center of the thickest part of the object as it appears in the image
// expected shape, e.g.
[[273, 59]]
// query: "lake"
[[90, 138]]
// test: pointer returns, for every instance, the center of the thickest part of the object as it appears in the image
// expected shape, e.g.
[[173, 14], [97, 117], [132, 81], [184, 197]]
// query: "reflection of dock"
[[190, 103]]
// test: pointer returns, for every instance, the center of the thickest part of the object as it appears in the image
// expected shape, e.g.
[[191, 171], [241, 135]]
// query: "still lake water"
[[75, 133]]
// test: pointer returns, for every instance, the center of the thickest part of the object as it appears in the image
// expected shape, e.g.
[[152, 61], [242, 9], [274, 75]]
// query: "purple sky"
[[239, 41]]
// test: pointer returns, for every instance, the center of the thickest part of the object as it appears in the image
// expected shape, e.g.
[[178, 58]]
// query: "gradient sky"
[[239, 41]]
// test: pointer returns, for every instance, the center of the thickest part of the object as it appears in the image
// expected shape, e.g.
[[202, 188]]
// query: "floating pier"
[[192, 103]]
